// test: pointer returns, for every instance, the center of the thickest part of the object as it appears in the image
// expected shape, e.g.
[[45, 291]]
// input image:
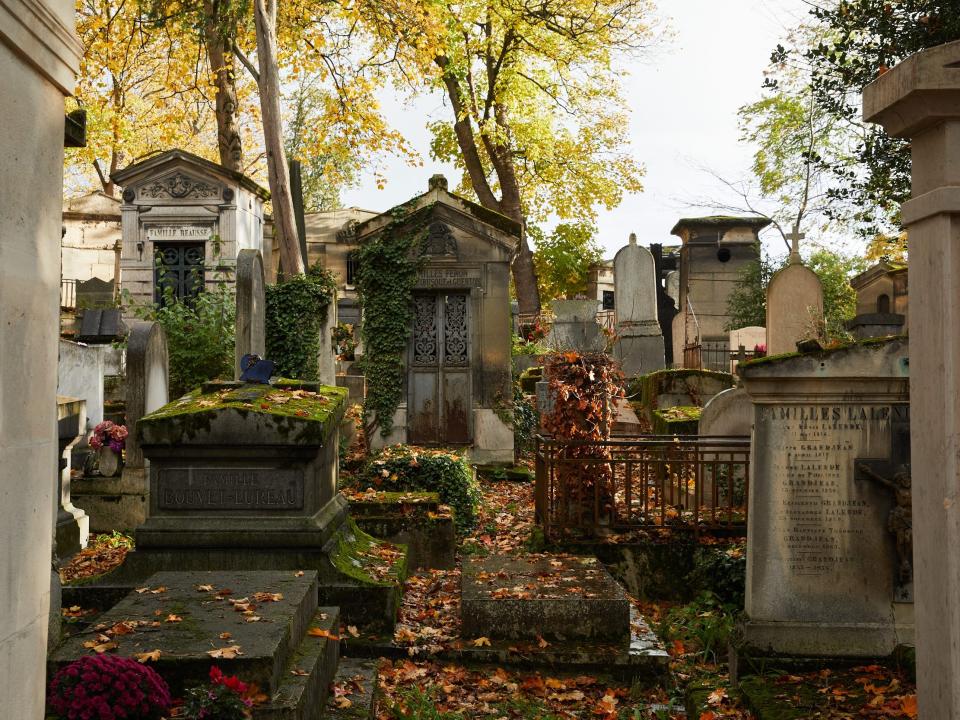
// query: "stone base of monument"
[[640, 350], [415, 520], [269, 623], [114, 503], [362, 574]]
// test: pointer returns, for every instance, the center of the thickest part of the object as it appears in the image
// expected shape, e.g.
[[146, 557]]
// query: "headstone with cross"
[[794, 303]]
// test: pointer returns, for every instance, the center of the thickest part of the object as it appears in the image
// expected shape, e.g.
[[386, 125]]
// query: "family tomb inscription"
[[822, 563]]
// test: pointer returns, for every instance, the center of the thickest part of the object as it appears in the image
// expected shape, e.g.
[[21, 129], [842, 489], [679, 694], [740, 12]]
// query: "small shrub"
[[703, 626], [104, 687], [225, 697], [400, 467], [722, 572], [525, 422], [200, 335]]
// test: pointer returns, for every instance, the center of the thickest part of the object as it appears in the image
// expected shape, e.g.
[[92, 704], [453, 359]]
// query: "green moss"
[[355, 553], [679, 420], [875, 343], [647, 388], [281, 401]]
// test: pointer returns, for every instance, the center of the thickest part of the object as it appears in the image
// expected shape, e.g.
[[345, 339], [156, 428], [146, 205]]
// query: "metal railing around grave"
[[589, 489], [707, 356]]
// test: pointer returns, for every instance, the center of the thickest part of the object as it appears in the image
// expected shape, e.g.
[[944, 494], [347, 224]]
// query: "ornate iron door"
[[179, 267], [439, 384]]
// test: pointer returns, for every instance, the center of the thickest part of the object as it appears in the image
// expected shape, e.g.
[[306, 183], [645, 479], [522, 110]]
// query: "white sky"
[[683, 99]]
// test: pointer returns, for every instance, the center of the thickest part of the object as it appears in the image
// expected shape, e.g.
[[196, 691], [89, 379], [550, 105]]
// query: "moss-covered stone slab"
[[679, 420], [568, 598], [274, 414]]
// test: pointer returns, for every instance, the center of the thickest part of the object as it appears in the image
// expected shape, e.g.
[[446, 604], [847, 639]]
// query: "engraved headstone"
[[639, 337], [575, 326], [250, 336], [822, 564]]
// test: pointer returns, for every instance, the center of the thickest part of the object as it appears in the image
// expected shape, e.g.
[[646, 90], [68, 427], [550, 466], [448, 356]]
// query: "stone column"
[[39, 57], [920, 100]]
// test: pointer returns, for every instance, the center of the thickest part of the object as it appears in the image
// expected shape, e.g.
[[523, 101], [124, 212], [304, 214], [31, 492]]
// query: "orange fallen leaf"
[[227, 653], [481, 642], [321, 633], [143, 657]]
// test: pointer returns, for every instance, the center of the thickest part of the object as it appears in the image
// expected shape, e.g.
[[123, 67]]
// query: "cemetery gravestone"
[[794, 306], [919, 99], [729, 413], [121, 503], [575, 326], [250, 338], [822, 566], [639, 337]]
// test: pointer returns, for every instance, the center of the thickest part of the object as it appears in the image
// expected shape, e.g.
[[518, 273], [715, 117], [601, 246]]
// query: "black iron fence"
[[590, 489], [708, 356]]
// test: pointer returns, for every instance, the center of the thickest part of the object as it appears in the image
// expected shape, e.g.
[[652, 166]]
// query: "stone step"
[[305, 685], [185, 615], [354, 691]]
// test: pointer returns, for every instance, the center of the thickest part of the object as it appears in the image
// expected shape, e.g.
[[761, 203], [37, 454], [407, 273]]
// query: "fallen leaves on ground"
[[103, 553], [499, 692]]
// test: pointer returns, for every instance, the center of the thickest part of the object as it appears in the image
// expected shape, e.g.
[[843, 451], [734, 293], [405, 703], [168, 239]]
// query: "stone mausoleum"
[[458, 381], [184, 221], [715, 250]]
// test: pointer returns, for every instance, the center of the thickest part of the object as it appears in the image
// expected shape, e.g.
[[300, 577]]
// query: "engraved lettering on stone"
[[822, 519], [230, 489], [425, 329], [455, 330], [447, 278]]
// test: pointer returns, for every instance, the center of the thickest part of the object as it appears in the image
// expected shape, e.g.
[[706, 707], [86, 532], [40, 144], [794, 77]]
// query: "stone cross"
[[919, 100], [795, 237]]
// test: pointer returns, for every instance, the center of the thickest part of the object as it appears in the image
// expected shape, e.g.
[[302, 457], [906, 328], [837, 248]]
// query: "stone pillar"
[[251, 308], [326, 358], [920, 100], [39, 57]]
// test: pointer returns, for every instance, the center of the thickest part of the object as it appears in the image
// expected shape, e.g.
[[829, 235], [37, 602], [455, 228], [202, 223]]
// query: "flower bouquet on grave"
[[109, 439], [759, 351], [225, 697], [106, 687]]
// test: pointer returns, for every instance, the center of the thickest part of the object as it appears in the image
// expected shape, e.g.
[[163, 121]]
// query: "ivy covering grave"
[[296, 313], [400, 467], [386, 276]]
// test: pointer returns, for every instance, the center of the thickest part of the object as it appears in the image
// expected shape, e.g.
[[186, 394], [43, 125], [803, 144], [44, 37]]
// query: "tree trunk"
[[217, 37], [284, 222]]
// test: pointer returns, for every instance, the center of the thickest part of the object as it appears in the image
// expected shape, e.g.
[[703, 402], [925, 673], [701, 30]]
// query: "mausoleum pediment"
[[179, 185]]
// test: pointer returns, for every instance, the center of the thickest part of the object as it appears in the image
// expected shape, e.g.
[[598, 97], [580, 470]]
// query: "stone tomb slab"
[[187, 615], [555, 597]]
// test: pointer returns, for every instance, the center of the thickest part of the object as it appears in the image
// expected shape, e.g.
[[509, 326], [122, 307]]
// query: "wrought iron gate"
[[439, 384], [179, 267]]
